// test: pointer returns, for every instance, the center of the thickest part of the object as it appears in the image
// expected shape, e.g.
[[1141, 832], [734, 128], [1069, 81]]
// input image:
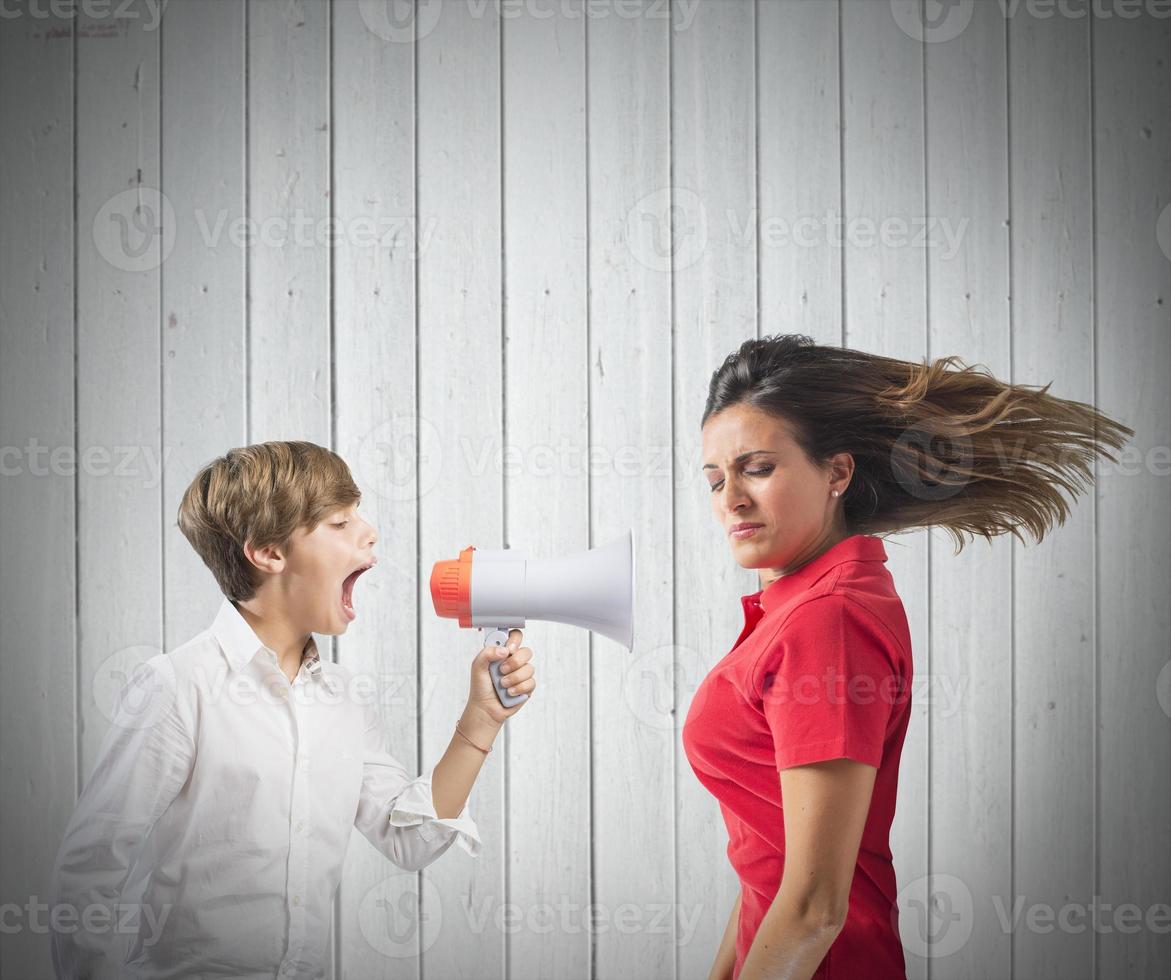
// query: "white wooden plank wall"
[[552, 221]]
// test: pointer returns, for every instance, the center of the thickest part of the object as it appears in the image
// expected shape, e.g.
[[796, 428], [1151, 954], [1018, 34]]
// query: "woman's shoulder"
[[838, 620]]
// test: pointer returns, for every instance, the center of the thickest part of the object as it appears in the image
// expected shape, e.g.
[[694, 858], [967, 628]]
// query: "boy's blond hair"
[[260, 493]]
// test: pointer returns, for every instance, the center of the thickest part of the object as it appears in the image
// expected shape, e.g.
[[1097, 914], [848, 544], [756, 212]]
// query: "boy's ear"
[[268, 558]]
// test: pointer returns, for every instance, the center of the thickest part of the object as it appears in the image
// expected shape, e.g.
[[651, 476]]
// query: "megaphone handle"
[[498, 638]]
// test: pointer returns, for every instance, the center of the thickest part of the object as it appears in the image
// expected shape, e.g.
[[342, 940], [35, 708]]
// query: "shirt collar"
[[240, 644], [857, 547]]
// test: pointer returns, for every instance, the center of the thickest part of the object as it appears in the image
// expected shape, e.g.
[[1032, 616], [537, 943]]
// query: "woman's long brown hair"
[[934, 444]]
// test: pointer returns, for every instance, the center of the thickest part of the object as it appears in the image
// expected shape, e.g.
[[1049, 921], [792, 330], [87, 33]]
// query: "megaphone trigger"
[[499, 638], [496, 638]]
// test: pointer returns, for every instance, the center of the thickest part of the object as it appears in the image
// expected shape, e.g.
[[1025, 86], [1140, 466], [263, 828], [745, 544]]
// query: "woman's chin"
[[750, 554]]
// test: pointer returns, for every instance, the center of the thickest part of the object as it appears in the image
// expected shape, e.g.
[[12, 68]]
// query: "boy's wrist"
[[479, 725]]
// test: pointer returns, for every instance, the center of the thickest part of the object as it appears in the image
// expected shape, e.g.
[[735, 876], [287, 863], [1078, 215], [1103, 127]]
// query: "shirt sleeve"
[[828, 683], [142, 765], [397, 813]]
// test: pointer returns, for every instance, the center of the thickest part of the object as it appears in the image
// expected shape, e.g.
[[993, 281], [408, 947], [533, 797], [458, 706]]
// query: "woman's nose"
[[734, 496]]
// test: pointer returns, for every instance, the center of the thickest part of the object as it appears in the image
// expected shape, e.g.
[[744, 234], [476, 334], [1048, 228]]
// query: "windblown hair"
[[260, 493], [932, 445]]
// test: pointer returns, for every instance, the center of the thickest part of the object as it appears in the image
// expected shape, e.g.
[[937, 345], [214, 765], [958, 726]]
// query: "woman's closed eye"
[[760, 471]]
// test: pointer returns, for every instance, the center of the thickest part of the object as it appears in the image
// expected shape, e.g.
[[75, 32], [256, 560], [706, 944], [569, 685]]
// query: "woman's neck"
[[769, 575]]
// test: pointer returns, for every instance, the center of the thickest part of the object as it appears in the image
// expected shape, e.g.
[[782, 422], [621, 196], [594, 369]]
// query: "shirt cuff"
[[415, 807]]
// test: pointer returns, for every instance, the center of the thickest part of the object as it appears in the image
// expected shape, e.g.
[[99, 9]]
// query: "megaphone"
[[499, 590]]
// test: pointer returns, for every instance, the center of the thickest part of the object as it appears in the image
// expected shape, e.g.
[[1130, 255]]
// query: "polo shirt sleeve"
[[828, 683]]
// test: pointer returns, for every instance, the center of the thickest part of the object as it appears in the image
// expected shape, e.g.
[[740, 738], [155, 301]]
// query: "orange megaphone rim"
[[451, 587]]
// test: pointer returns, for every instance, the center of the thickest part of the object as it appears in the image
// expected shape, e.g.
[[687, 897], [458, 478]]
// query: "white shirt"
[[210, 837]]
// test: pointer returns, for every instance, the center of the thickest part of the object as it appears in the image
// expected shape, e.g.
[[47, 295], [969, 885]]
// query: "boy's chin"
[[337, 624]]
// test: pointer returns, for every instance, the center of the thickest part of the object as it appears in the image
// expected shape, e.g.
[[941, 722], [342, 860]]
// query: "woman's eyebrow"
[[742, 457]]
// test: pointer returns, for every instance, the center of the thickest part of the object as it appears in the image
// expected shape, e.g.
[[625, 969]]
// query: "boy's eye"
[[341, 523]]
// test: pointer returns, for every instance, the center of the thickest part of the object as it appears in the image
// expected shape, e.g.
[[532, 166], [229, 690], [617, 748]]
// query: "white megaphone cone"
[[500, 590]]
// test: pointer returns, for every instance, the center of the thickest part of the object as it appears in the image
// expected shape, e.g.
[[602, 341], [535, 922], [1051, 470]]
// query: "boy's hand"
[[515, 671]]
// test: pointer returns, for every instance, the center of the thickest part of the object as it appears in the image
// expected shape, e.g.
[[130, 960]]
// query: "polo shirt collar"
[[857, 547], [240, 644]]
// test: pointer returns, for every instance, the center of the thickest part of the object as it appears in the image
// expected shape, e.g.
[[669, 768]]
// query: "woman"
[[810, 453]]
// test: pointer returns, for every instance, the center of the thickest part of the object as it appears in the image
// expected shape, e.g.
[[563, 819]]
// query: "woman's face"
[[775, 506]]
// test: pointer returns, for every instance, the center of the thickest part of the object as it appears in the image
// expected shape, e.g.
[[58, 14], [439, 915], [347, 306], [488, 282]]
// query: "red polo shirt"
[[821, 670]]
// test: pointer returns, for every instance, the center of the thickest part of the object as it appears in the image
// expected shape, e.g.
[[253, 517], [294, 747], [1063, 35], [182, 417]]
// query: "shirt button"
[[300, 826], [296, 899]]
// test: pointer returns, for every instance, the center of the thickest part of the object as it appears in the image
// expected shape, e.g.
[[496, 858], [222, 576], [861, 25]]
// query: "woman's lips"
[[741, 531]]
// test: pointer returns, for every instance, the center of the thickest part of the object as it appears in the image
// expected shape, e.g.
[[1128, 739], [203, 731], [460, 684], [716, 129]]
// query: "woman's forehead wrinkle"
[[749, 434]]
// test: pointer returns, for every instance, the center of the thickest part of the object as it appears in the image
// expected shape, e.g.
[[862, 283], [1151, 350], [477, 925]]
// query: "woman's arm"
[[825, 807], [726, 954]]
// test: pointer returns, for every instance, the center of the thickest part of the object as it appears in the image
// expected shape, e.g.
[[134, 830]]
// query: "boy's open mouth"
[[348, 589]]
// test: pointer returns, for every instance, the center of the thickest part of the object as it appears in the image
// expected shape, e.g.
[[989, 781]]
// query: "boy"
[[224, 793]]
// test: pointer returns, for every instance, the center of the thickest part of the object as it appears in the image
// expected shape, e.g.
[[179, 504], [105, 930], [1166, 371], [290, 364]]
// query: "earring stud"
[[835, 492]]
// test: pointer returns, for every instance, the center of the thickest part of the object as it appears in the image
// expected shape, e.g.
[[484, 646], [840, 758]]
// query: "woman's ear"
[[841, 469]]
